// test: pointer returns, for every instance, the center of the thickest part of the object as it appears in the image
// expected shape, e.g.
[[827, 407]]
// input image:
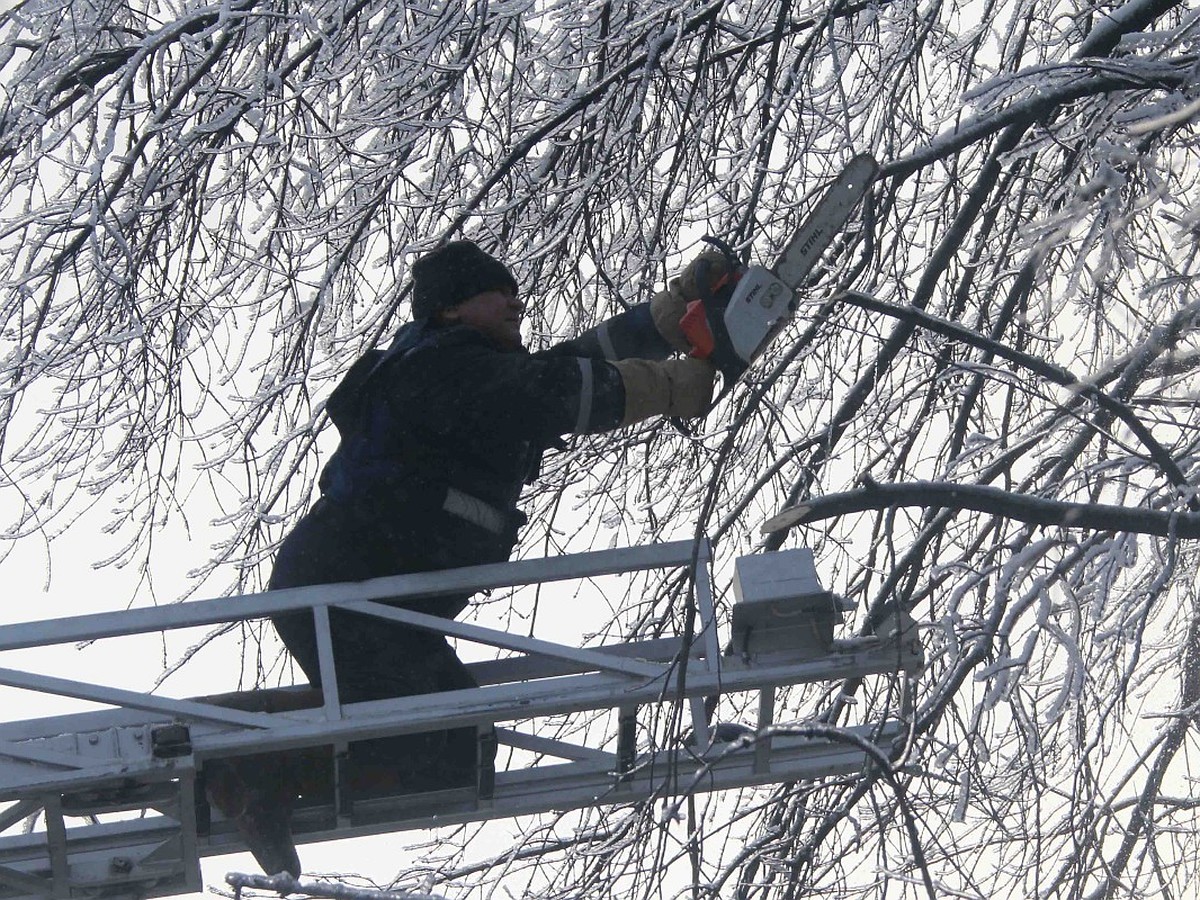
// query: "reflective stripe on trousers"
[[476, 511]]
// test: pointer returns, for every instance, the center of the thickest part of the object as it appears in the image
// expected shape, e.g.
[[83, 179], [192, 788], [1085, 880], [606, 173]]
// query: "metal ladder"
[[120, 790]]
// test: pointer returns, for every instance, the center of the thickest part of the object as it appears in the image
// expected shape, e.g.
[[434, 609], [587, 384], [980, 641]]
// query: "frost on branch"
[[210, 210]]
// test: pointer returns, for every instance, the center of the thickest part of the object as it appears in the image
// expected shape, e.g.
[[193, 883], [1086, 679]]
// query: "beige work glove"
[[672, 387], [667, 307]]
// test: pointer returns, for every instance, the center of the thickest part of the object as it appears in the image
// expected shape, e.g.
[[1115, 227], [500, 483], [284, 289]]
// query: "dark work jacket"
[[443, 407]]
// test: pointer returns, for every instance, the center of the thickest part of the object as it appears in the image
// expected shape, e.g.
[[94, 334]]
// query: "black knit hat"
[[447, 276]]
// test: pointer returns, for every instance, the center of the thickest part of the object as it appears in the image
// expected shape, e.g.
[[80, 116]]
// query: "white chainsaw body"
[[759, 303]]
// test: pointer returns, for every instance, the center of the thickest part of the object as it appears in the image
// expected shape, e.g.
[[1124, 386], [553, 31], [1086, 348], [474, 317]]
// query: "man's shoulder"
[[452, 353], [425, 344], [453, 337], [464, 342]]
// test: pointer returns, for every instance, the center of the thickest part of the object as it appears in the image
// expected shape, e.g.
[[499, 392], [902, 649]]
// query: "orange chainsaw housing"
[[694, 323]]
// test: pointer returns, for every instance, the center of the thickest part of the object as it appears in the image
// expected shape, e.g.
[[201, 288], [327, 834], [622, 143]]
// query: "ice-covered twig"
[[284, 883], [1032, 510]]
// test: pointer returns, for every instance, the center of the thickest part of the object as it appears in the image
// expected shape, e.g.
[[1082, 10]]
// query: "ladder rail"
[[61, 767], [470, 579], [491, 671], [550, 696]]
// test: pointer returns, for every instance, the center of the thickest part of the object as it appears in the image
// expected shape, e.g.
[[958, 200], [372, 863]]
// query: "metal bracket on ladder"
[[117, 770], [149, 752]]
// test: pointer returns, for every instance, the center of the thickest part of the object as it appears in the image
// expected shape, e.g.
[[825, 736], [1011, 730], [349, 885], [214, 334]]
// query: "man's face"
[[495, 314]]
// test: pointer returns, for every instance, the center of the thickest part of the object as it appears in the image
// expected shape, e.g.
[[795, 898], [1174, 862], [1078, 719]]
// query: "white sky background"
[[1096, 204]]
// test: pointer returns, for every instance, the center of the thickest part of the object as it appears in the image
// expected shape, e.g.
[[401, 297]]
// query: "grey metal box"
[[781, 605]]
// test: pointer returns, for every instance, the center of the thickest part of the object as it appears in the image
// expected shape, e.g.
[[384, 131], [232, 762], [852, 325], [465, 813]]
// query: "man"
[[439, 433]]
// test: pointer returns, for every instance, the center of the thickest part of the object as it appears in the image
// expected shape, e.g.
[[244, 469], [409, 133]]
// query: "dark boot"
[[253, 793]]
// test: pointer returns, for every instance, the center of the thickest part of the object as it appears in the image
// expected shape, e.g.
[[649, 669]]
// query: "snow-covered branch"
[[992, 501]]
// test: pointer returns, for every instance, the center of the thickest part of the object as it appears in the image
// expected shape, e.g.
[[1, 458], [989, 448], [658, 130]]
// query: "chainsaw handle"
[[731, 257], [710, 305], [704, 322], [694, 326]]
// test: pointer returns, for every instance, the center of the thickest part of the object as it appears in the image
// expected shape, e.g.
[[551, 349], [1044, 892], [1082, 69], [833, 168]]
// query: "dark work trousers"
[[378, 659]]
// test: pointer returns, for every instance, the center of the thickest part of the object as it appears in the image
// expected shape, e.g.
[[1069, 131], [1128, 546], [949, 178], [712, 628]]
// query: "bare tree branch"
[[993, 501]]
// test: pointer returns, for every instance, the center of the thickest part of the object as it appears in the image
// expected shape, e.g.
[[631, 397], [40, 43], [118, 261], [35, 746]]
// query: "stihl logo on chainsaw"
[[812, 241], [765, 294], [746, 309]]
